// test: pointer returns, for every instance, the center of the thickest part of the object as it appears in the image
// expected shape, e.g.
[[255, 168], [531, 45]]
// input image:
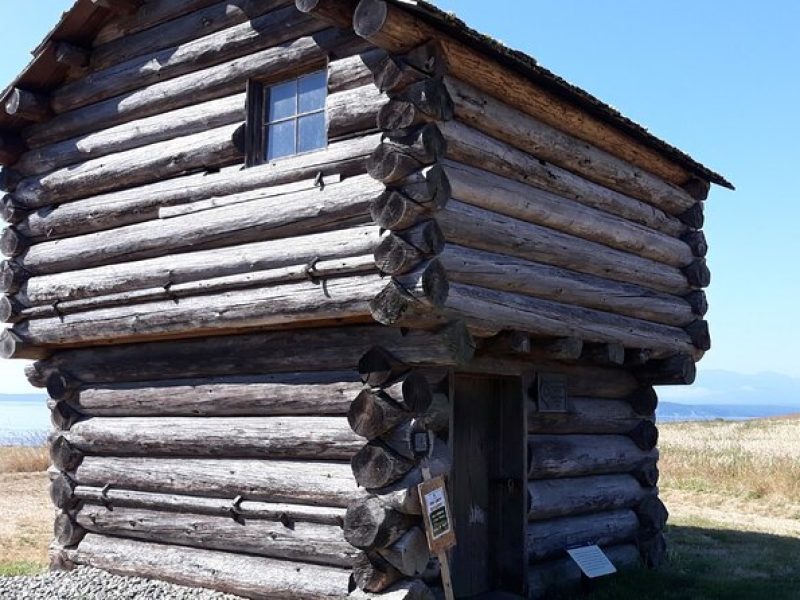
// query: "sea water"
[[24, 422]]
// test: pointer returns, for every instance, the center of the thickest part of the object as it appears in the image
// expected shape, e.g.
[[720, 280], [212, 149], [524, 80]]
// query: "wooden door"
[[488, 491]]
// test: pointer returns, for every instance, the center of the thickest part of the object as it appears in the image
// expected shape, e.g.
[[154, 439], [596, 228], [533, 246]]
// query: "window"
[[287, 118]]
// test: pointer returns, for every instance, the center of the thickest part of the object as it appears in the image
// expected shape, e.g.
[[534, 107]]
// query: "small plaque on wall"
[[551, 393], [436, 513]]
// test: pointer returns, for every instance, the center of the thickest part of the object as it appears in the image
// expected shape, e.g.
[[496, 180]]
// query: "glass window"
[[295, 116]]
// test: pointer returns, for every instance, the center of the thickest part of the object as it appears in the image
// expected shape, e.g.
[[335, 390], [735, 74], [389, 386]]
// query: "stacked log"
[[399, 408]]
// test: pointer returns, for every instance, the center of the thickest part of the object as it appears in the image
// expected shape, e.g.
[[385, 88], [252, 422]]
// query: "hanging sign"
[[552, 393], [436, 512]]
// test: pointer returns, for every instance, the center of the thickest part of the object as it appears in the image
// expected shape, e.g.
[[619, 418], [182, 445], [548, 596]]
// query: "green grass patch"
[[24, 567]]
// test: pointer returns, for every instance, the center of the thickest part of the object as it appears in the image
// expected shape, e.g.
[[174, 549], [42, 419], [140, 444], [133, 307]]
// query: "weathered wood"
[[677, 370], [492, 116], [370, 525], [693, 217], [119, 7], [342, 298], [625, 226], [402, 251], [10, 309], [312, 438], [636, 357], [321, 271], [288, 394], [13, 244], [409, 554], [698, 274], [62, 492], [549, 539], [63, 454], [487, 312], [354, 71], [482, 229], [353, 111], [302, 482], [303, 542], [700, 335], [192, 267], [408, 589], [206, 84], [698, 301], [267, 218], [644, 435], [644, 401], [194, 24], [11, 148], [249, 576], [587, 415], [63, 415], [11, 212], [652, 514], [697, 188], [66, 531], [604, 354], [158, 128], [554, 456], [373, 573], [335, 349], [576, 495], [399, 157], [373, 413], [376, 465], [696, 240], [214, 148], [335, 12], [647, 473], [28, 105], [12, 346], [76, 58], [9, 179], [126, 207], [246, 510], [151, 14], [267, 30], [551, 578]]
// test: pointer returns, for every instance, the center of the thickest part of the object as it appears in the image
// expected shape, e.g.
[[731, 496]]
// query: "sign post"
[[438, 523]]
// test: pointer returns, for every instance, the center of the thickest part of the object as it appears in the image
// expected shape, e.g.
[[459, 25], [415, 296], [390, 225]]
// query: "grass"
[[22, 459]]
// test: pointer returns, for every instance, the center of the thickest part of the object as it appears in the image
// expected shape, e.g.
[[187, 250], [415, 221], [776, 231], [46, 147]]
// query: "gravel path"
[[85, 583]]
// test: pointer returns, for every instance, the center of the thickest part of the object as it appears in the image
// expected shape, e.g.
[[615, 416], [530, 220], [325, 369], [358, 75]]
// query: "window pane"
[[280, 140], [282, 101], [312, 134], [312, 92]]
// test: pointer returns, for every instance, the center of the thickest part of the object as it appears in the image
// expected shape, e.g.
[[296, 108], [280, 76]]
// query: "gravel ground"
[[85, 583]]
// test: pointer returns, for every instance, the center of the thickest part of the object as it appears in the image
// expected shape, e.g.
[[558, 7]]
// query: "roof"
[[83, 21]]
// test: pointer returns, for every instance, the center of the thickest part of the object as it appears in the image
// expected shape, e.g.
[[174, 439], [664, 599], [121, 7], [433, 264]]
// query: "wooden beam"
[[28, 105], [12, 244], [677, 370], [120, 7], [11, 148], [9, 179], [72, 56], [336, 12]]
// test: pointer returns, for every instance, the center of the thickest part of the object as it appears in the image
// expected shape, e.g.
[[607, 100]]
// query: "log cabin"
[[260, 249]]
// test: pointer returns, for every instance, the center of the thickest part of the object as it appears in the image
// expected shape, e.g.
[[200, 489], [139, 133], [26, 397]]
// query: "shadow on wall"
[[714, 564]]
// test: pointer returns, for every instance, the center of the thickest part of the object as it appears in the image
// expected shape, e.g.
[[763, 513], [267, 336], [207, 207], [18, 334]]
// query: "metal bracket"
[[310, 269], [104, 497], [235, 509]]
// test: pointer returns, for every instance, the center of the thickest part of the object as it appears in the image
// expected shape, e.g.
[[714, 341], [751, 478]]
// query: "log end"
[[698, 301], [697, 274], [644, 401], [700, 335], [370, 18], [377, 466], [62, 492], [61, 386], [645, 435], [12, 243]]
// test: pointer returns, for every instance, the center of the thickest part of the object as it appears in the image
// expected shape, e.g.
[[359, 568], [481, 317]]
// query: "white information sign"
[[592, 561]]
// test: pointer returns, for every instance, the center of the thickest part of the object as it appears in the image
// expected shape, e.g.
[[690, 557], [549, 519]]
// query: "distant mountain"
[[717, 387], [672, 411]]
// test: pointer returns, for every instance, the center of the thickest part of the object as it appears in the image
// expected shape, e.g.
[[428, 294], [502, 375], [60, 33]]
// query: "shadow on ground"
[[714, 564]]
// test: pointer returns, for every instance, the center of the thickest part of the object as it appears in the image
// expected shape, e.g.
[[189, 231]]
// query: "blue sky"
[[719, 80]]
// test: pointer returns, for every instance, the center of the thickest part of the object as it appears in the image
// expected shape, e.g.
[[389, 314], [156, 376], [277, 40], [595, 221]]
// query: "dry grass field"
[[732, 488]]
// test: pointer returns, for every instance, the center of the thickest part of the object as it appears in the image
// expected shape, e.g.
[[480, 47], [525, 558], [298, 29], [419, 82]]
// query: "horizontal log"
[[206, 84], [375, 412], [571, 496], [334, 349], [401, 252], [75, 58], [698, 274], [488, 312], [158, 128], [701, 337], [12, 244], [63, 415], [483, 229], [191, 267], [207, 149], [503, 122], [302, 542], [248, 576], [353, 111], [268, 218], [63, 455], [644, 401], [676, 370], [696, 240], [11, 148], [287, 394], [376, 465], [137, 205], [401, 155], [698, 301], [354, 71], [370, 525], [66, 532], [587, 415], [175, 293], [13, 346], [338, 299], [644, 435], [119, 7], [313, 438], [246, 510], [693, 217], [217, 16], [336, 13], [409, 554], [9, 178], [425, 101], [10, 212], [257, 33], [28, 105], [553, 456], [301, 482], [619, 227], [604, 354], [563, 575], [652, 514], [550, 539], [373, 573]]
